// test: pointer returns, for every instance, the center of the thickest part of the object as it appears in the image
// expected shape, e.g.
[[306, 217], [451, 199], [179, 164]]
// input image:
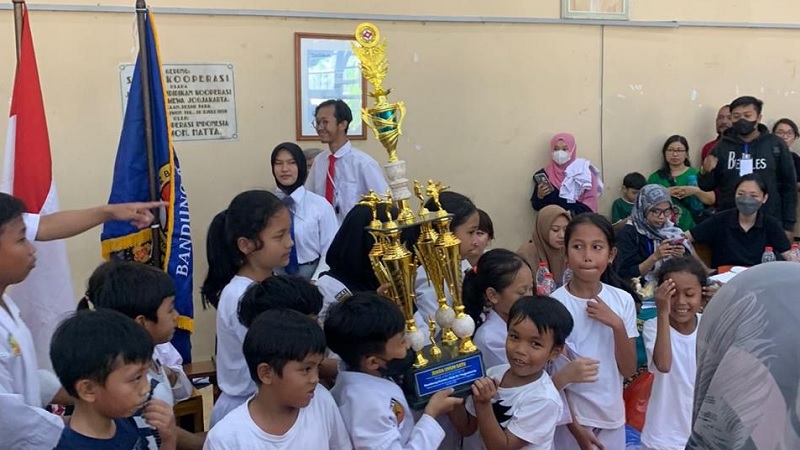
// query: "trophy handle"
[[367, 118], [401, 114]]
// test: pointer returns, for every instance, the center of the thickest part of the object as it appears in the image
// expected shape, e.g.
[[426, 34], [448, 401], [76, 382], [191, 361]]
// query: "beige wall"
[[483, 99]]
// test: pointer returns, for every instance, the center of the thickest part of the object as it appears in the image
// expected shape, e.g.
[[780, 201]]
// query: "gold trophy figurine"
[[435, 351], [385, 119], [372, 200]]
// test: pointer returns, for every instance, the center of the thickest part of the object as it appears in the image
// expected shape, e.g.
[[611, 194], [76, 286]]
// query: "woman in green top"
[[680, 179]]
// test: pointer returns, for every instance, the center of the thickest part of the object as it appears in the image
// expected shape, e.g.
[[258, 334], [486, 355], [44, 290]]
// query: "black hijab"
[[348, 255], [299, 159]]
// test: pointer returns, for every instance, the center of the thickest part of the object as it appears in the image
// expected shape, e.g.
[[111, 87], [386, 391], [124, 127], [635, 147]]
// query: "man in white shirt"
[[342, 173]]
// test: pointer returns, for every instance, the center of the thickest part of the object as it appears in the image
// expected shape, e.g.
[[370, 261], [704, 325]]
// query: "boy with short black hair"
[[283, 349], [102, 358], [516, 406], [368, 332], [279, 292], [622, 207], [147, 295], [24, 424]]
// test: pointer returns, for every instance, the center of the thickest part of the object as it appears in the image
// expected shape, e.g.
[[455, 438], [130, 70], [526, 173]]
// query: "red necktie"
[[329, 180]]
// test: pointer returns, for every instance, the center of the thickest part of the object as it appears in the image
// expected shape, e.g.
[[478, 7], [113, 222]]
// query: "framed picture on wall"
[[326, 68], [595, 9]]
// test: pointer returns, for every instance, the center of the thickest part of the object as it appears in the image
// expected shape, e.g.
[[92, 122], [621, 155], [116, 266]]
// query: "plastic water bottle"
[[547, 286], [794, 253], [768, 255], [568, 275], [540, 272]]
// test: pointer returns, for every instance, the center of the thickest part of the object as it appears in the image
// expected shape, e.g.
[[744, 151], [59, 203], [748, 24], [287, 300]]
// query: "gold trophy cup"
[[450, 360]]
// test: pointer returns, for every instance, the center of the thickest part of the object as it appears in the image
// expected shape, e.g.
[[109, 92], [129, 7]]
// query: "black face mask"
[[397, 367], [743, 127]]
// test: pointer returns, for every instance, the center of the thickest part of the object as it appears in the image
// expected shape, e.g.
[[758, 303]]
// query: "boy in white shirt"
[[516, 406], [342, 173], [283, 349], [368, 332]]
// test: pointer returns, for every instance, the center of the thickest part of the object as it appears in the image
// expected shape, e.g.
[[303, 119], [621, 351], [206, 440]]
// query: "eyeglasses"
[[319, 124], [785, 133], [676, 151], [661, 213]]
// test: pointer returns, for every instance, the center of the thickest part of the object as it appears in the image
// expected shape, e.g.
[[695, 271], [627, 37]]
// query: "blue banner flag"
[[120, 240]]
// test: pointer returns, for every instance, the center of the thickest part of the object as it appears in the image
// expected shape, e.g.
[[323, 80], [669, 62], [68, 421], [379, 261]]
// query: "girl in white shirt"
[[671, 343], [604, 312], [313, 221], [245, 243], [491, 287]]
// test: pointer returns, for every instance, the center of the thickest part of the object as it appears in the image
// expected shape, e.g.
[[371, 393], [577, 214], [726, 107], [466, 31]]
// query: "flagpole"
[[141, 16], [18, 5]]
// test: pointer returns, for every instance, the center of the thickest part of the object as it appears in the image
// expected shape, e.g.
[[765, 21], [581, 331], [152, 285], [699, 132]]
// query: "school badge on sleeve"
[[398, 410], [12, 342]]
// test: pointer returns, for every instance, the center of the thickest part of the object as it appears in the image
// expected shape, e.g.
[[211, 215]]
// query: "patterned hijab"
[[748, 363], [650, 196]]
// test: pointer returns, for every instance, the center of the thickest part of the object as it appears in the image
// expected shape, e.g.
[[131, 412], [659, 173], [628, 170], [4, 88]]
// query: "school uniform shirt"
[[529, 412], [126, 438], [24, 424], [332, 291], [598, 404], [318, 426], [770, 159], [490, 338], [377, 415], [315, 224], [732, 246], [233, 375], [168, 356], [161, 389], [355, 174], [668, 422], [32, 225]]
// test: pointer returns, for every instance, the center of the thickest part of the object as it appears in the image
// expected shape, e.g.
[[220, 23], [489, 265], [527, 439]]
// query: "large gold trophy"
[[449, 359]]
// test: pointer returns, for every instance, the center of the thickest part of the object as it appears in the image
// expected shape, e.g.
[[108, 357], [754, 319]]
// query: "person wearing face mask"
[[737, 237], [568, 181], [748, 147], [313, 221]]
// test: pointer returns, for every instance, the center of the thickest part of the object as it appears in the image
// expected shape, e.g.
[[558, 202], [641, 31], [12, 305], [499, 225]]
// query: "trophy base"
[[451, 369]]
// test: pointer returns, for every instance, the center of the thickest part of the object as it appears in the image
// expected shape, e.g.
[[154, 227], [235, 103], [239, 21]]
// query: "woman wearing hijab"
[[651, 236], [547, 244], [313, 220], [568, 181], [748, 375]]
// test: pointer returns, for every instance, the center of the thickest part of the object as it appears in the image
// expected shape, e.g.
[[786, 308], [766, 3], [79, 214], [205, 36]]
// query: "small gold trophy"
[[452, 361]]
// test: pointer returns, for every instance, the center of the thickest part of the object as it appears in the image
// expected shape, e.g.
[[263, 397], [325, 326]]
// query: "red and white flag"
[[46, 296]]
